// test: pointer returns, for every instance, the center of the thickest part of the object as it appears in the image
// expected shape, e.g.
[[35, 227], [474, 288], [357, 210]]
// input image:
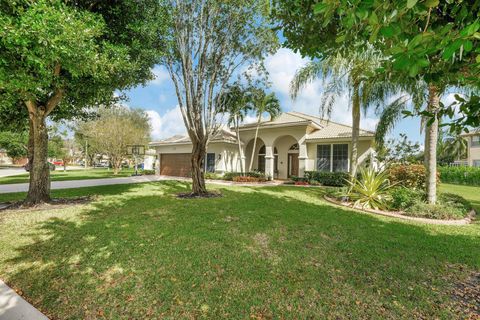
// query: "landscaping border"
[[465, 221]]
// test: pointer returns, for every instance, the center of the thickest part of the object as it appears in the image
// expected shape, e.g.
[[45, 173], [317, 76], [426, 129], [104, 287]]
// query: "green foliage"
[[82, 50], [450, 147], [449, 206], [14, 143], [229, 176], [148, 172], [333, 179], [408, 175], [403, 198], [370, 190], [400, 150], [460, 175]]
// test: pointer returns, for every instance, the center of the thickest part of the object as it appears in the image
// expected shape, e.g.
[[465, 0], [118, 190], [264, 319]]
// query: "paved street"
[[6, 172]]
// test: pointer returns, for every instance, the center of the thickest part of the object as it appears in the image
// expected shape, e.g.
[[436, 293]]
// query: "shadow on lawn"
[[139, 252]]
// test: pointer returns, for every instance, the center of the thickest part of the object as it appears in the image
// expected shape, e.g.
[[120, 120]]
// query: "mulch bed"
[[467, 295], [53, 204], [190, 195]]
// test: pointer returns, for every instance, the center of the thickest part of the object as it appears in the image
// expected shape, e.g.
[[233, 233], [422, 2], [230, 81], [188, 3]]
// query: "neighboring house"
[[4, 158], [287, 146], [473, 151]]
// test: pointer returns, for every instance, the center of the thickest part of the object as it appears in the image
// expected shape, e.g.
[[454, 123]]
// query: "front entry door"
[[293, 164]]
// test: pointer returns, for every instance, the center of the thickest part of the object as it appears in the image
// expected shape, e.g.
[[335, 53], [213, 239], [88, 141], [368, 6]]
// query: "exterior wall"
[[473, 152], [364, 149], [279, 138], [228, 161]]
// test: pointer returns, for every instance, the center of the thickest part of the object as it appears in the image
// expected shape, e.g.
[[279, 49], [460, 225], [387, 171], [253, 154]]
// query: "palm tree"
[[421, 93], [450, 147], [236, 102], [263, 103], [355, 73]]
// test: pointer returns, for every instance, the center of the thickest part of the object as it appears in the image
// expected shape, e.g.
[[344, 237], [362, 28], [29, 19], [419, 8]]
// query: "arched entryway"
[[258, 155], [287, 157]]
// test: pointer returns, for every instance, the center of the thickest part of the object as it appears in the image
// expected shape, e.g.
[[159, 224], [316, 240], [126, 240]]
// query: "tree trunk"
[[240, 152], [199, 148], [254, 143], [39, 188], [432, 134], [355, 132]]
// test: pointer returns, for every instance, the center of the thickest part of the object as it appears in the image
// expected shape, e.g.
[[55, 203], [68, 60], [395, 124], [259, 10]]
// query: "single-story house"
[[286, 146], [473, 149]]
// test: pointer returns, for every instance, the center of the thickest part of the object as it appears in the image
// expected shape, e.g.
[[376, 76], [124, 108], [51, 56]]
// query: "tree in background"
[[400, 150], [263, 103], [429, 40], [210, 41], [352, 73], [60, 58], [14, 143], [236, 102], [450, 147], [114, 130]]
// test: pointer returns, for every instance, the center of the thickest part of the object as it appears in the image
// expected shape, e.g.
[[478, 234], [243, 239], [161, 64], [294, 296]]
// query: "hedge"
[[460, 175], [332, 179]]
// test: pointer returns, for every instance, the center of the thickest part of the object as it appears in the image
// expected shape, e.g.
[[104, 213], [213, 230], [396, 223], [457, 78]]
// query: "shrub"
[[230, 176], [460, 175], [370, 190], [248, 179], [409, 176], [212, 176], [332, 179], [298, 179], [148, 172], [403, 198], [448, 206]]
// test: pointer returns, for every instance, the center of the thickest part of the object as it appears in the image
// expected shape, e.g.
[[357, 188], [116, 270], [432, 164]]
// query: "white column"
[[269, 162], [302, 158]]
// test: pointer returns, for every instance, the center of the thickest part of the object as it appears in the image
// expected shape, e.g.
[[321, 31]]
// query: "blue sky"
[[159, 100]]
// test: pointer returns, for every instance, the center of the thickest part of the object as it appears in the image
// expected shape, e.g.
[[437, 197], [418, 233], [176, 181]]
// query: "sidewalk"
[[14, 307], [23, 187]]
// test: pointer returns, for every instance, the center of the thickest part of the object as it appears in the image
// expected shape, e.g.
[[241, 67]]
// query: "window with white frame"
[[340, 157], [323, 157], [332, 157], [476, 163]]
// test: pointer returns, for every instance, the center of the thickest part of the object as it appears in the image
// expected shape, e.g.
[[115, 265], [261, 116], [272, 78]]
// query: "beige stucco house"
[[473, 151], [287, 146]]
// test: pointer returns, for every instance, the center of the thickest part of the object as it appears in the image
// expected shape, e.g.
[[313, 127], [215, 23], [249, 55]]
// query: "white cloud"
[[161, 75], [166, 125], [282, 67]]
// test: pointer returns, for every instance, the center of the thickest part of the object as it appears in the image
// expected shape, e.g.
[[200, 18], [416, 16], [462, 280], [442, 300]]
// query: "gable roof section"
[[473, 132], [221, 136]]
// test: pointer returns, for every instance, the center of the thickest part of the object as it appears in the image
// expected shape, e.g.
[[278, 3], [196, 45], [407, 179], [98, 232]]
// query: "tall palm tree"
[[263, 103], [421, 93], [236, 101], [354, 73]]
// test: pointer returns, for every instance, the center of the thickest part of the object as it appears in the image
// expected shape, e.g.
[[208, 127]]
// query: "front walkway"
[[69, 184], [14, 307]]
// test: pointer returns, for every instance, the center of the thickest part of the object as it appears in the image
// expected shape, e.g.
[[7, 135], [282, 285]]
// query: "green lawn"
[[138, 252], [80, 174]]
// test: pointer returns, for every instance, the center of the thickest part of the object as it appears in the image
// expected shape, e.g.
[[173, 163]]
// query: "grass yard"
[[139, 252], [80, 174]]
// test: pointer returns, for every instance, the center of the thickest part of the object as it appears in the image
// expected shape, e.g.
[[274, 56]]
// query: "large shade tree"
[[210, 41], [58, 58], [428, 41]]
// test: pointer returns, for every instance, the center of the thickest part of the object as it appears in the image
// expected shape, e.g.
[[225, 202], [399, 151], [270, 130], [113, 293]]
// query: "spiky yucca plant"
[[371, 190]]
